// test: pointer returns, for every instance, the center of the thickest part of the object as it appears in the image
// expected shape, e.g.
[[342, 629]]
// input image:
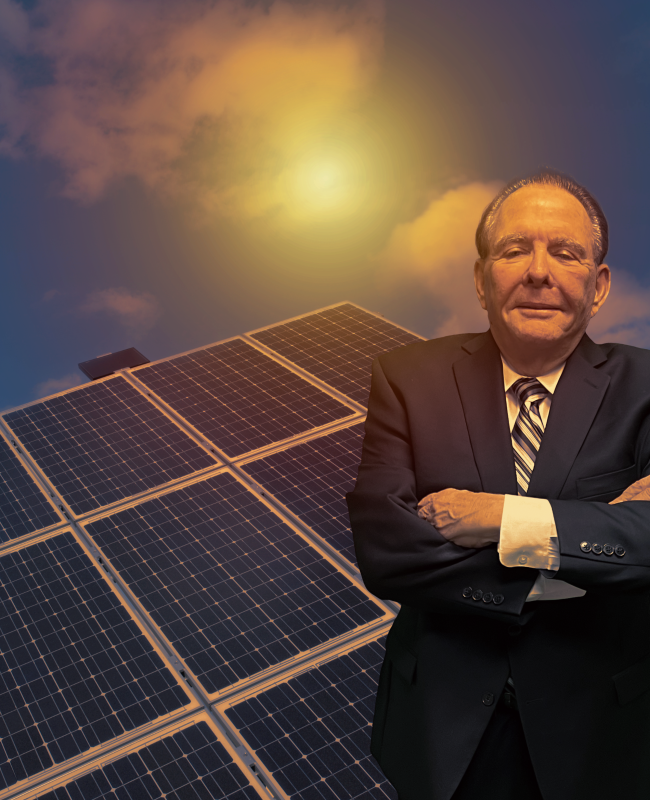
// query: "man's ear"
[[603, 285], [479, 281]]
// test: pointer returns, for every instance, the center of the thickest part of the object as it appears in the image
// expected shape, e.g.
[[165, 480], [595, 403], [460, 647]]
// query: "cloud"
[[207, 100], [625, 317], [138, 312], [437, 250], [55, 385]]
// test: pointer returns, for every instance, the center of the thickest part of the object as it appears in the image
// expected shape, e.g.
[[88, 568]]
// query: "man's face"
[[539, 283]]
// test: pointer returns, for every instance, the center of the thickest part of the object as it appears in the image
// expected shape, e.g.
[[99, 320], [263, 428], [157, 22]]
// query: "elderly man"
[[519, 664]]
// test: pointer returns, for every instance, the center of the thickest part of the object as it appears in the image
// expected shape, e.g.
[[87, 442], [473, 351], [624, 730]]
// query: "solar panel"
[[191, 763], [232, 587], [104, 442], [311, 480], [312, 732], [75, 669], [23, 507], [336, 345], [238, 397]]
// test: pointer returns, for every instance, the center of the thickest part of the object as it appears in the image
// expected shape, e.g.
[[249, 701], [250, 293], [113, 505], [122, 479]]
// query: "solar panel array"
[[23, 508], [191, 763], [194, 573], [336, 345], [239, 398], [313, 731], [312, 479]]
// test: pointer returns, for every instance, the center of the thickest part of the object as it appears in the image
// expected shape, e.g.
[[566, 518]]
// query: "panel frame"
[[41, 484], [300, 370], [125, 739], [256, 774], [221, 706], [50, 488], [355, 408], [320, 546], [285, 512]]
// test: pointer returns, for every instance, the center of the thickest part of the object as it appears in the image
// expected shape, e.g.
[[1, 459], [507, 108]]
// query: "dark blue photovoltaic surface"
[[313, 731], [190, 765], [239, 398], [311, 480], [232, 587], [23, 508], [105, 442], [75, 670], [337, 345]]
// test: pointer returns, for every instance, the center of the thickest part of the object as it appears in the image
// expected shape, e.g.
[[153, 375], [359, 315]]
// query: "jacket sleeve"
[[604, 548], [404, 558]]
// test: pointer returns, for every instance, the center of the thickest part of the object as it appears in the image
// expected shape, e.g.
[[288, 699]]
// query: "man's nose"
[[538, 271]]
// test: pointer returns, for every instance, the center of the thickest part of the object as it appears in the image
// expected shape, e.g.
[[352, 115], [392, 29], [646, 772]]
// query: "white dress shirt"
[[528, 534]]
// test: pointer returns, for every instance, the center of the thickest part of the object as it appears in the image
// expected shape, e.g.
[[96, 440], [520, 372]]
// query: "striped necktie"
[[528, 428]]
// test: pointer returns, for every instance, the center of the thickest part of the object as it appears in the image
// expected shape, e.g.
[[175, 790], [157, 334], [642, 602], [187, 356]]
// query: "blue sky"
[[114, 234]]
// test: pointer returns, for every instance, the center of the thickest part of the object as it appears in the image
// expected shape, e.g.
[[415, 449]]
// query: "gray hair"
[[547, 177]]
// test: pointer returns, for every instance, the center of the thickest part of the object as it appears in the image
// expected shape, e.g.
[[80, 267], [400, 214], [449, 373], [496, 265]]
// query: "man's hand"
[[468, 519], [640, 490]]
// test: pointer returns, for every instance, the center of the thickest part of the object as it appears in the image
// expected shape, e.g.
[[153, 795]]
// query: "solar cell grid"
[[232, 587], [312, 732], [337, 345], [23, 508], [311, 480], [104, 442], [75, 670], [191, 763], [239, 398]]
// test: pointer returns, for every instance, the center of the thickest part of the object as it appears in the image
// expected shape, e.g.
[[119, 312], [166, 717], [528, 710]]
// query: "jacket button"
[[597, 548], [477, 594], [467, 591], [498, 599], [488, 699], [619, 550], [514, 630], [608, 550], [488, 597], [585, 547]]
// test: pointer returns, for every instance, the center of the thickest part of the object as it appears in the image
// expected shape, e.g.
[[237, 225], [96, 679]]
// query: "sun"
[[324, 183]]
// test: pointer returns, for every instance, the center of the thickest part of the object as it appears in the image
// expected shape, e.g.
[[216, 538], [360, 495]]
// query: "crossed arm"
[[473, 519]]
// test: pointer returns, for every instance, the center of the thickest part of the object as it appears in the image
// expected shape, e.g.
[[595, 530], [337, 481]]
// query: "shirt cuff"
[[528, 535]]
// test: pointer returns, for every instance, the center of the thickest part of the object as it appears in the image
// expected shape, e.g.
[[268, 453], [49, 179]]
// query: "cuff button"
[[608, 550], [619, 550], [467, 591], [488, 597], [597, 548], [498, 599], [477, 594], [522, 560], [585, 547]]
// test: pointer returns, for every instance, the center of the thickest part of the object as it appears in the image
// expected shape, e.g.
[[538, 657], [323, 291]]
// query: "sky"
[[173, 174]]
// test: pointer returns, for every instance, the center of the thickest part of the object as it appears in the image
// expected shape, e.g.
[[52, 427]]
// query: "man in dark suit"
[[518, 667]]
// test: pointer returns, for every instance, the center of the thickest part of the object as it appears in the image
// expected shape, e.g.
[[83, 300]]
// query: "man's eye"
[[514, 252], [565, 255]]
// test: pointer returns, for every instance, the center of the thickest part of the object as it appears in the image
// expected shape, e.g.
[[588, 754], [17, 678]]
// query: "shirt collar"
[[549, 381]]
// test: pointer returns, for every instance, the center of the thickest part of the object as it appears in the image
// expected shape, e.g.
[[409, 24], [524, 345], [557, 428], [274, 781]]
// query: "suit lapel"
[[575, 403], [479, 378]]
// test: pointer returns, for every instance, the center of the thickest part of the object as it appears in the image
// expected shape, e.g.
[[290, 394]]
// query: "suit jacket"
[[437, 418]]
